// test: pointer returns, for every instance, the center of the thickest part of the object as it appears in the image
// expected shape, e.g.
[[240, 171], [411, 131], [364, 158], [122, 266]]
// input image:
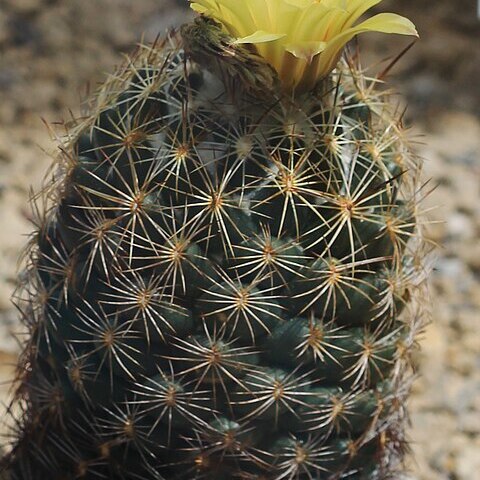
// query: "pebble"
[[461, 226]]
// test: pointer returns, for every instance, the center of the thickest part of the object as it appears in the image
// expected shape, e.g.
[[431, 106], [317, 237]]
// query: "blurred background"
[[53, 51]]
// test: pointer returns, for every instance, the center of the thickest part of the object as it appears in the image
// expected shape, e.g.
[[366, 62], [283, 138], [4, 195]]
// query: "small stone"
[[460, 225], [470, 423], [468, 461], [450, 267], [24, 6]]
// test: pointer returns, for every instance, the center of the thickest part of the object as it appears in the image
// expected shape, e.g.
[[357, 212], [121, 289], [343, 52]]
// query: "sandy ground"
[[51, 49]]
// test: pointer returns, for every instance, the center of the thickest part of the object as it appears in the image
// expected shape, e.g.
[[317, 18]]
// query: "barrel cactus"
[[221, 283]]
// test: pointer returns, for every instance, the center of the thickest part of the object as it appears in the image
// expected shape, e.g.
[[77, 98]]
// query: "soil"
[[53, 52]]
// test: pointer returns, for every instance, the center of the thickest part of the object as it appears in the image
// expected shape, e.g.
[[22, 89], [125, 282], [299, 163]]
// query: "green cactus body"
[[216, 290]]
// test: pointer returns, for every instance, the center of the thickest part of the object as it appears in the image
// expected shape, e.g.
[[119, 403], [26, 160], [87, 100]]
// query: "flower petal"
[[306, 50], [260, 36], [383, 23], [388, 23]]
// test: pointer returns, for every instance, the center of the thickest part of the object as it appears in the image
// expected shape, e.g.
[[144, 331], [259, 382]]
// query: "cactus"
[[221, 283]]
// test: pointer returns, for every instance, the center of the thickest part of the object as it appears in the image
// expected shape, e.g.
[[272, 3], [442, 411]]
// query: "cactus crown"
[[301, 39]]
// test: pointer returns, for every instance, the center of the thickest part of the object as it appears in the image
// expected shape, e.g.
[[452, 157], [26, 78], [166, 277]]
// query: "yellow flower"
[[302, 39]]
